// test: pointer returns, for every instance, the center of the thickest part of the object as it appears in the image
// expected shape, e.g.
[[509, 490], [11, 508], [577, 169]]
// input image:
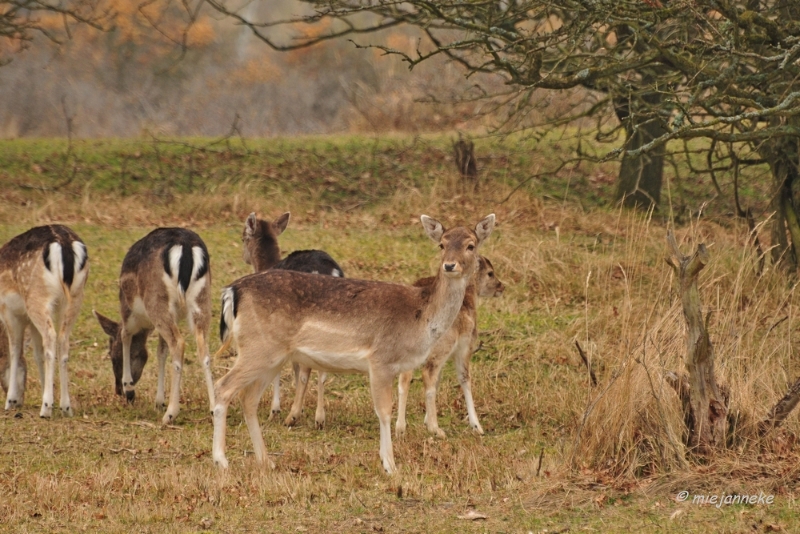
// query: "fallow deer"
[[165, 277], [339, 325], [42, 275], [260, 249], [459, 343]]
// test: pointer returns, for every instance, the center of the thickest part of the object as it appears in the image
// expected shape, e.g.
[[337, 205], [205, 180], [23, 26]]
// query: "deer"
[[340, 325], [260, 249], [42, 276], [165, 277], [459, 343]]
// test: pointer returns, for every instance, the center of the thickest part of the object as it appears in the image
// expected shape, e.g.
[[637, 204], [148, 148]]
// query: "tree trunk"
[[640, 177], [783, 161], [709, 407]]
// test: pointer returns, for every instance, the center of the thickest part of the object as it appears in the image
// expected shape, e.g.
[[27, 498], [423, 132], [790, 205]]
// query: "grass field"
[[558, 455]]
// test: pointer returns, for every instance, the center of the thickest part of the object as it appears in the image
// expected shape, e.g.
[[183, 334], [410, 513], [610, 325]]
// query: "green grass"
[[114, 468]]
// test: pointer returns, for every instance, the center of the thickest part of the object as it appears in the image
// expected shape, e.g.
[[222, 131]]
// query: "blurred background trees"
[[711, 83], [669, 71]]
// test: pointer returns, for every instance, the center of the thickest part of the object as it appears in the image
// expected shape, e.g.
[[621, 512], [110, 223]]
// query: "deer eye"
[[491, 275], [441, 246], [470, 247]]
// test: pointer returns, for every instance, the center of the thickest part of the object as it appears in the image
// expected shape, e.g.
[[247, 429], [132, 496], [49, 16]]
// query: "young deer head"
[[339, 325], [42, 275], [260, 241], [139, 353], [488, 285]]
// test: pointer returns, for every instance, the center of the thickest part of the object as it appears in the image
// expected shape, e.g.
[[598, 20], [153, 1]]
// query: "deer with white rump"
[[165, 277], [260, 249], [42, 275], [339, 325]]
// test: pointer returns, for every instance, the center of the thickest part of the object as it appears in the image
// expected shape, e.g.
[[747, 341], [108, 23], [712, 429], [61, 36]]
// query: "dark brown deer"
[[42, 275], [260, 249], [165, 277], [339, 325]]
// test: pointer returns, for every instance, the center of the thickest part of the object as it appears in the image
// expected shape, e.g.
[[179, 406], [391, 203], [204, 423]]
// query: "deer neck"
[[265, 256], [446, 298]]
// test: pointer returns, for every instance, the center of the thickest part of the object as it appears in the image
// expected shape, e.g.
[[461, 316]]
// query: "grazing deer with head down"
[[165, 277], [459, 343], [42, 275], [339, 325], [260, 249]]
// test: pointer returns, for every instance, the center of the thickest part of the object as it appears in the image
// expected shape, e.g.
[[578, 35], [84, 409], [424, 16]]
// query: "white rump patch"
[[175, 254], [197, 263], [80, 254], [54, 275]]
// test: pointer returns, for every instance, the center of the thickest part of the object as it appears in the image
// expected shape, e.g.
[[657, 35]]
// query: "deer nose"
[[449, 267]]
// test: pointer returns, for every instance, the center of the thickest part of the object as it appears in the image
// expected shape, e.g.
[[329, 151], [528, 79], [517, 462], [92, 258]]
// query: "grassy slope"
[[571, 274]]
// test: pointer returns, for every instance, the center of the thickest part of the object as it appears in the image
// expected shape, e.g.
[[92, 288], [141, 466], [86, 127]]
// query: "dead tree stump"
[[709, 408], [464, 154]]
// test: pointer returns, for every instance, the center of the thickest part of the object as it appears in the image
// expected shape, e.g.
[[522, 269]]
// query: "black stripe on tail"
[[67, 261], [184, 265], [201, 272]]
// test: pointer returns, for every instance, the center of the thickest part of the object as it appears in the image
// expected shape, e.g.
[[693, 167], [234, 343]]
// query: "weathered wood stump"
[[708, 407]]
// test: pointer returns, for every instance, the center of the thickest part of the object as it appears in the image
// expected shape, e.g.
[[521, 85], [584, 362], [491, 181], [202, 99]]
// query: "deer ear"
[[433, 228], [109, 327], [281, 223], [484, 228], [250, 225]]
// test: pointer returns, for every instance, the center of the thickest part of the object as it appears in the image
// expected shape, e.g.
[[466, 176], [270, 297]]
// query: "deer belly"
[[333, 360]]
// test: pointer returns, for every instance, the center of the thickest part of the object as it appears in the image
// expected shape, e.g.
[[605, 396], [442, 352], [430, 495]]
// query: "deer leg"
[[163, 349], [204, 355], [176, 343], [38, 352], [241, 375], [319, 416], [461, 360], [380, 383], [403, 384], [302, 375], [431, 376], [63, 375], [15, 340], [276, 397], [251, 396]]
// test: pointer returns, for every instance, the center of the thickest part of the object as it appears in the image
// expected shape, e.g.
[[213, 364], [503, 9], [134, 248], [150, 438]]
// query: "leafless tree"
[[721, 70]]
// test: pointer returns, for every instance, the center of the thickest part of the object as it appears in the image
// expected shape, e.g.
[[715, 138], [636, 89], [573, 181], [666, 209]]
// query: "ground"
[[576, 269]]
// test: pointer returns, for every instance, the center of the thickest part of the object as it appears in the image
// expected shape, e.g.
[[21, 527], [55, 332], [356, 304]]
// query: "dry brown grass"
[[597, 277]]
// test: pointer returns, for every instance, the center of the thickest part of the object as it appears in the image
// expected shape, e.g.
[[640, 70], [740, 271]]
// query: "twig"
[[587, 363], [539, 466]]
